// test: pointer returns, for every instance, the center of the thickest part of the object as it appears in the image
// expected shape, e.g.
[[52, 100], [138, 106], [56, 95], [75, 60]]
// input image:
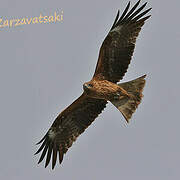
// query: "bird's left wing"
[[68, 126], [117, 49]]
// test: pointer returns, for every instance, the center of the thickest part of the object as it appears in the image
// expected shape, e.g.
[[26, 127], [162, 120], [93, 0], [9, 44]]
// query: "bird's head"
[[88, 86]]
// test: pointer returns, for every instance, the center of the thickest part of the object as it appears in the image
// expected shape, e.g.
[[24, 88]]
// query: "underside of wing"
[[118, 47], [68, 126]]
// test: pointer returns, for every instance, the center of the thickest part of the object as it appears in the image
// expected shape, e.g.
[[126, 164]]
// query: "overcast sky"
[[42, 69]]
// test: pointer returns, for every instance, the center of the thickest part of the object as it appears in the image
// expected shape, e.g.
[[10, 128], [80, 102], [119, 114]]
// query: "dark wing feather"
[[118, 47], [68, 126]]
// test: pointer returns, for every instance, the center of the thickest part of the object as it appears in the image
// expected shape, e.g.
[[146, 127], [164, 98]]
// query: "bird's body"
[[103, 89], [114, 57]]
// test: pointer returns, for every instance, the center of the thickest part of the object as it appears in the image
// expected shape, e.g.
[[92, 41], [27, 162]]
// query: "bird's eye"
[[90, 85]]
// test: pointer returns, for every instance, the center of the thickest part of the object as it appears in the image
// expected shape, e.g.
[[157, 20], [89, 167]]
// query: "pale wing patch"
[[116, 29], [51, 134]]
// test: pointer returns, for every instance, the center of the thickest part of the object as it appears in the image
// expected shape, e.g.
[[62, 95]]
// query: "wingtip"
[[60, 157], [39, 161], [46, 165], [53, 164], [145, 3], [117, 16], [118, 12], [147, 17], [60, 161], [149, 9], [143, 76], [41, 140], [53, 167], [38, 143], [127, 121], [138, 2]]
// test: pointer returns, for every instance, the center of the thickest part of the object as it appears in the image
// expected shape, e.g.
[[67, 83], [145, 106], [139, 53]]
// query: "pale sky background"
[[42, 69]]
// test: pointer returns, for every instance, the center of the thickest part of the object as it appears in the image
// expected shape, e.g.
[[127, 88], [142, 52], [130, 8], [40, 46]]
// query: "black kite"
[[114, 58]]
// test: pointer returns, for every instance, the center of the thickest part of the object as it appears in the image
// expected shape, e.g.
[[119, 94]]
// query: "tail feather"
[[128, 105]]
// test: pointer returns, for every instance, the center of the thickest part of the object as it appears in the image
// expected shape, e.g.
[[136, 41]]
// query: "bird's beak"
[[85, 87]]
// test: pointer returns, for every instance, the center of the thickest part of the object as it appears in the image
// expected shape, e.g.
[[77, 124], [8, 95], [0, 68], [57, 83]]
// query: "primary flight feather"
[[114, 57]]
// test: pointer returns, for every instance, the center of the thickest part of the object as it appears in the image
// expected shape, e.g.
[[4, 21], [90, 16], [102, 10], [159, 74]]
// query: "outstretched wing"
[[117, 48], [68, 126]]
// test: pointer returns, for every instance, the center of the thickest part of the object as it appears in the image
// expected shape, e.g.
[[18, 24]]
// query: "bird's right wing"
[[118, 47], [68, 126]]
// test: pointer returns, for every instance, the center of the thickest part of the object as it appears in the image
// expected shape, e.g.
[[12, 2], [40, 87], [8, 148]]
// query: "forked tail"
[[128, 105]]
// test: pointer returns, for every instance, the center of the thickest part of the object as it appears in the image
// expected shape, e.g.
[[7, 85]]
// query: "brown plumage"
[[114, 58]]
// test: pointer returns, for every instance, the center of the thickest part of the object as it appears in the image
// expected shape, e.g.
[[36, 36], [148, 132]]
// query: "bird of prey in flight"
[[114, 57]]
